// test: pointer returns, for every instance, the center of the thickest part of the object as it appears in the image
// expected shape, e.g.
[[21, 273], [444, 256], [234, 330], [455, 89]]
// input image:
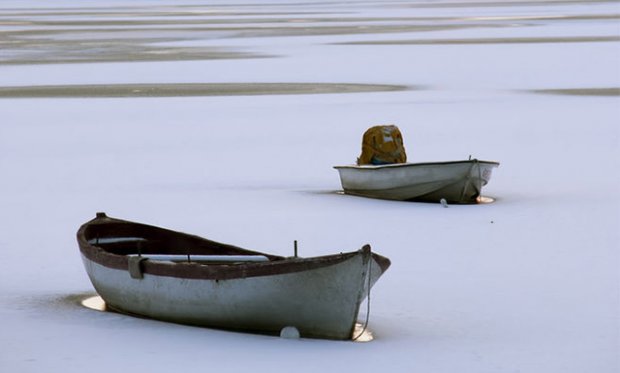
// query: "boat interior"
[[134, 239]]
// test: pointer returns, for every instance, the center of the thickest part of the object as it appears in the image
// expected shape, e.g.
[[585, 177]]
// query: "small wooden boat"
[[172, 276], [455, 182]]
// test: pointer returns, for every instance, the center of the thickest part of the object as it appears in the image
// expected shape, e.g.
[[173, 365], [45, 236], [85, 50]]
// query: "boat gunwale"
[[405, 165], [191, 270]]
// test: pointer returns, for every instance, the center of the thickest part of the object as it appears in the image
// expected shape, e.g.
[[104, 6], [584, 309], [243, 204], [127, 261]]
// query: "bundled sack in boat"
[[382, 145]]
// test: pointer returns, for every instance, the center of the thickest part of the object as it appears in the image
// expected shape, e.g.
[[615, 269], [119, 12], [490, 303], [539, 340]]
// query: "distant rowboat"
[[455, 182], [172, 276]]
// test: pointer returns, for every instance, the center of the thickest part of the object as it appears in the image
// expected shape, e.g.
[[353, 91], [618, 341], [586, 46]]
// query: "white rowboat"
[[192, 280], [454, 182]]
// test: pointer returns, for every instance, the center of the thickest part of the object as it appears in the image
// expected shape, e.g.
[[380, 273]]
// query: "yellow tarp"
[[382, 145]]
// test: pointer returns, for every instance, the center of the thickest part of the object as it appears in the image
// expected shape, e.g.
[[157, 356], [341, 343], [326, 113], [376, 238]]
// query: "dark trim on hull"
[[399, 165]]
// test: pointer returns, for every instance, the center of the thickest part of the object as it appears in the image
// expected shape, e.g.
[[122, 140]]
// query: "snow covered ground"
[[529, 283]]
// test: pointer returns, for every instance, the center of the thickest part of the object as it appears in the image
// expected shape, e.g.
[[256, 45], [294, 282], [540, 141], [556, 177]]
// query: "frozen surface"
[[529, 283]]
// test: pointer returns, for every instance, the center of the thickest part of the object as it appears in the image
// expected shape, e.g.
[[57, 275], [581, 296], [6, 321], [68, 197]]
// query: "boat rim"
[[404, 165], [191, 270]]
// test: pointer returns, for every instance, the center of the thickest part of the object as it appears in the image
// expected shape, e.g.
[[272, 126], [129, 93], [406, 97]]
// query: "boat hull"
[[455, 182], [319, 296]]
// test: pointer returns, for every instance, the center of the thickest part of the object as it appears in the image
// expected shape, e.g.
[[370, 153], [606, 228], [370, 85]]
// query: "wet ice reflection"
[[485, 199], [365, 335], [94, 303]]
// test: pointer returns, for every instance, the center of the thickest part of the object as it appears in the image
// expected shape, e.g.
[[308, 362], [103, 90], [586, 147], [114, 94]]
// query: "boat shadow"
[[481, 200]]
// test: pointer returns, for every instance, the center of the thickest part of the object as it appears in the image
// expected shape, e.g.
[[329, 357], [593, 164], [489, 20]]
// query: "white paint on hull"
[[322, 302], [454, 181]]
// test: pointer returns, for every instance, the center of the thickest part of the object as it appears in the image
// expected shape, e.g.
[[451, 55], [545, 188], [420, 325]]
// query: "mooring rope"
[[367, 300], [478, 185]]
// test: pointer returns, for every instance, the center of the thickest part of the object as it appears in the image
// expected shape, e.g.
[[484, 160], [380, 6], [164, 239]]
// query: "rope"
[[367, 301], [480, 182]]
